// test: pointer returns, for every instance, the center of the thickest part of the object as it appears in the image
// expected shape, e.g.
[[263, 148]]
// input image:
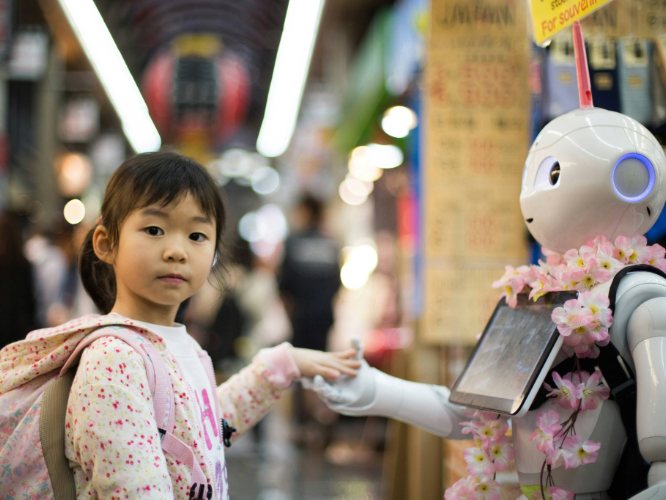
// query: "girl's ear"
[[102, 245]]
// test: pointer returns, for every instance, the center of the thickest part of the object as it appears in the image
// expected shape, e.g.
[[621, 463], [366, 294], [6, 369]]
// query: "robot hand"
[[347, 395], [372, 392]]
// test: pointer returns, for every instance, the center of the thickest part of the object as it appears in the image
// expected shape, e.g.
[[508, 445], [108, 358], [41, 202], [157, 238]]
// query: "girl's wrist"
[[281, 363]]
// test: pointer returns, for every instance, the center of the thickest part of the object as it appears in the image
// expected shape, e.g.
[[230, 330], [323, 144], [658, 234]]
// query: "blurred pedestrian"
[[310, 276], [17, 299], [50, 267], [309, 281]]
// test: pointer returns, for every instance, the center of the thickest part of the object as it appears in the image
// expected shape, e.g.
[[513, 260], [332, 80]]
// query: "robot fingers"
[[330, 394], [357, 344]]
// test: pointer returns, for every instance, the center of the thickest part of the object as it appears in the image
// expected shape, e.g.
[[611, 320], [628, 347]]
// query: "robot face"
[[592, 172]]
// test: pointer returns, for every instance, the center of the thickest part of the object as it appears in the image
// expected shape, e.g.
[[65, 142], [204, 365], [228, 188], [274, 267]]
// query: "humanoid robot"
[[590, 172]]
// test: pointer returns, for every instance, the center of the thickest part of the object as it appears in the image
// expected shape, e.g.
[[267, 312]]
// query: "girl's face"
[[163, 256]]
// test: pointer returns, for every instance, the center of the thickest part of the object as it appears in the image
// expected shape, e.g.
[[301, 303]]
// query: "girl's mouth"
[[173, 279]]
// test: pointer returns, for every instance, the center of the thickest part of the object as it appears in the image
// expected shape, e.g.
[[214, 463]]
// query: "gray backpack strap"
[[52, 436]]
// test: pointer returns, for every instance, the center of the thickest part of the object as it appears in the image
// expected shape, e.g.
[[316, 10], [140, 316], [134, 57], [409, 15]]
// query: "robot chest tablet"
[[510, 361]]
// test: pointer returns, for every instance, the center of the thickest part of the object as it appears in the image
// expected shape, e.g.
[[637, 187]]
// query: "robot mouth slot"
[[530, 220]]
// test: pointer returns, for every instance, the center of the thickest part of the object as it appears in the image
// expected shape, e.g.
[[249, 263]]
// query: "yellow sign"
[[551, 16]]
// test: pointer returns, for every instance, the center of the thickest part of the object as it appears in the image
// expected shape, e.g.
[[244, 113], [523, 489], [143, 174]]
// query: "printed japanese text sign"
[[551, 16]]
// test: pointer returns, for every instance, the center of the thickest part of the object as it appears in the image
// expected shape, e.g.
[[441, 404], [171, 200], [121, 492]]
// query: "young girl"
[[153, 247]]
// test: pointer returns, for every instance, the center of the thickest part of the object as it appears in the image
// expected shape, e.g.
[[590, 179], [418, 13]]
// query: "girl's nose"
[[175, 252]]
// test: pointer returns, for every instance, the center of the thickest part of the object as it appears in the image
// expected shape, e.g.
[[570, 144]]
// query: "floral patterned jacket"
[[112, 440]]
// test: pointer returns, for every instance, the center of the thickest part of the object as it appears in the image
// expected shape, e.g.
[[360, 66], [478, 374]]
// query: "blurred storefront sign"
[[549, 18], [478, 117], [29, 55]]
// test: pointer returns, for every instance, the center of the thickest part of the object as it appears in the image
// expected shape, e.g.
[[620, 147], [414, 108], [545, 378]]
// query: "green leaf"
[[528, 490]]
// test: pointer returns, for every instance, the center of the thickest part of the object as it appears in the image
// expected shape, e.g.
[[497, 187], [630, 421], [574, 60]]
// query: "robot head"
[[592, 172]]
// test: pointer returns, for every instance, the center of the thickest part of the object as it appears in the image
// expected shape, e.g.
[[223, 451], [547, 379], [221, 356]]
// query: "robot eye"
[[633, 177], [555, 173], [548, 174]]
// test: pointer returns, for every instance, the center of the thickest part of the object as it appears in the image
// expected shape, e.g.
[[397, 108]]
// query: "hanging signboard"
[[477, 121], [551, 16]]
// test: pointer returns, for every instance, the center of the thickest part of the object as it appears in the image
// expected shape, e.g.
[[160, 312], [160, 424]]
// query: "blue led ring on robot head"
[[631, 182]]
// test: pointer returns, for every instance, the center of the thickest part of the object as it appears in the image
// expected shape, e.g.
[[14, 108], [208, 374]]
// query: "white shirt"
[[181, 345]]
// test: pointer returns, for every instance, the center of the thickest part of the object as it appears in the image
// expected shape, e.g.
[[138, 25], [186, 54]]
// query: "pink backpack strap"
[[163, 398]]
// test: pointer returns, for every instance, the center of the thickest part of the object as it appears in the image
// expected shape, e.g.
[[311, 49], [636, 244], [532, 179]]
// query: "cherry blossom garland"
[[584, 324], [491, 453]]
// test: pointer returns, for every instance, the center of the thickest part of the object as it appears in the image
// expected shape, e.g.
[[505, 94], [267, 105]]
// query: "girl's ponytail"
[[97, 276]]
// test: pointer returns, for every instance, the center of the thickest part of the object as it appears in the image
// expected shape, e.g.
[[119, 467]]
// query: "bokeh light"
[[265, 180], [385, 155], [74, 211], [349, 197], [74, 174], [359, 263], [398, 121]]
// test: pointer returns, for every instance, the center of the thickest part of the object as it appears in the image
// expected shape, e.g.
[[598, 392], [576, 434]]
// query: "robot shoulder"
[[630, 290]]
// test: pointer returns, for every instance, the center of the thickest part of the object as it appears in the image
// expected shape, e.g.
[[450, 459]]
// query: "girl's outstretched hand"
[[329, 365]]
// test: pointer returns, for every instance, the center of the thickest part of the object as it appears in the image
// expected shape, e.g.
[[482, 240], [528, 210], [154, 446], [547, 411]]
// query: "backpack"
[[35, 381]]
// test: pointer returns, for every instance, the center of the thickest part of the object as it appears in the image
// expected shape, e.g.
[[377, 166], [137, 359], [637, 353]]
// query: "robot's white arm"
[[646, 336], [372, 392]]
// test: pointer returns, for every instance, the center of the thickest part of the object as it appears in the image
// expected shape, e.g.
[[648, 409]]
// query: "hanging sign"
[[552, 16]]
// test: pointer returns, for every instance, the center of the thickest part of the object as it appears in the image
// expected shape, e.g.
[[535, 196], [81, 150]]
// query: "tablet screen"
[[510, 354]]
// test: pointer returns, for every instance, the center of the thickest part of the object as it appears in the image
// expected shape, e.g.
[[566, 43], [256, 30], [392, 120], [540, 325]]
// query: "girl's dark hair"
[[146, 179]]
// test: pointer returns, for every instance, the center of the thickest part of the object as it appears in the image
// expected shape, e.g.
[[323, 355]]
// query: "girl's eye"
[[198, 237], [154, 231]]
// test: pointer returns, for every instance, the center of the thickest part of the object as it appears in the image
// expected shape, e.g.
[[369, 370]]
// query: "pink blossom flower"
[[552, 258], [567, 391], [572, 277], [592, 389], [599, 304], [471, 427], [595, 244], [634, 250], [512, 283], [576, 452], [605, 254], [547, 428], [555, 456], [501, 452], [574, 259], [582, 335], [625, 252], [543, 283], [527, 273], [558, 493], [493, 429], [554, 493], [573, 315], [461, 490], [593, 274], [478, 462], [657, 257], [583, 351], [487, 490]]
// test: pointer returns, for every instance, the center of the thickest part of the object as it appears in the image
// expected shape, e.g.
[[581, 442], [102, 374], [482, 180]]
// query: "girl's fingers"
[[345, 368], [349, 353], [327, 372]]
